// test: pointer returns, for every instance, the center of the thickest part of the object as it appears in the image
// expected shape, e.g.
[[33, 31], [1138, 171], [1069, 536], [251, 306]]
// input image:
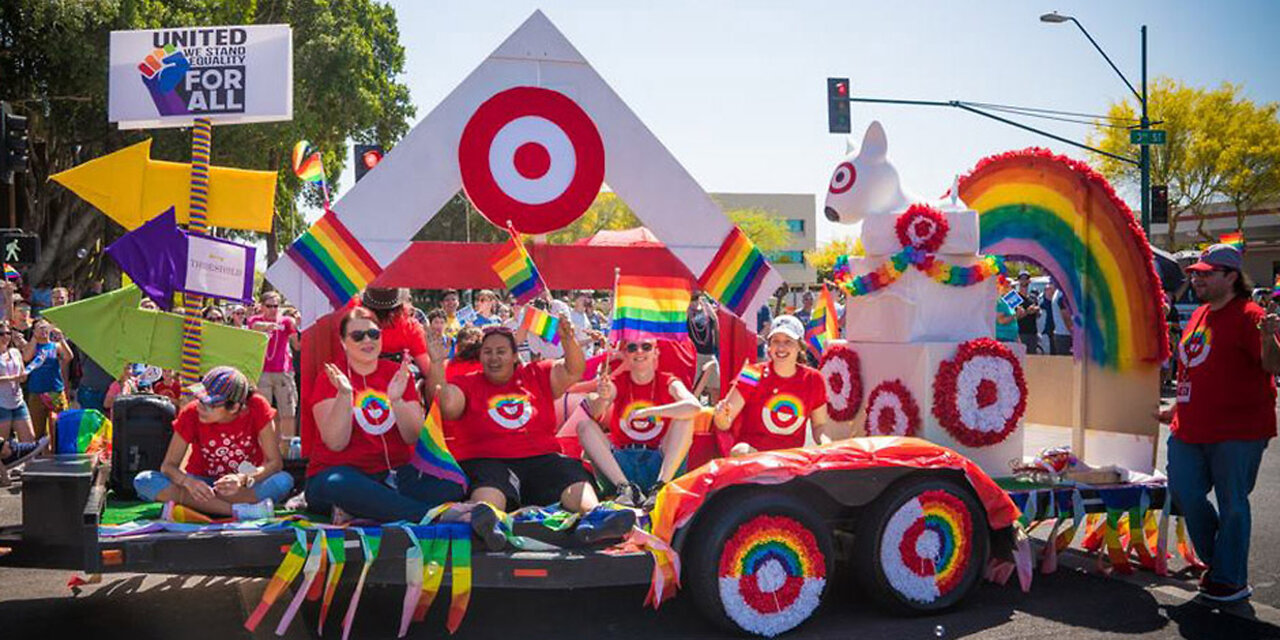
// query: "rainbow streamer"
[[10, 273], [83, 431], [651, 308], [334, 259], [310, 569], [435, 558], [284, 575], [750, 375], [336, 548], [1235, 239], [307, 164], [1060, 214], [460, 572], [822, 324], [517, 271], [430, 453], [541, 324], [735, 273], [370, 543], [412, 577]]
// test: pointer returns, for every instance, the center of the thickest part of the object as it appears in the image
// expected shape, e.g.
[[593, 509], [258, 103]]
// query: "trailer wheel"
[[922, 545], [759, 564]]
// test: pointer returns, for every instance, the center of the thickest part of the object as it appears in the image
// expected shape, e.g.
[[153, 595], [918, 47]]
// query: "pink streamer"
[[309, 572]]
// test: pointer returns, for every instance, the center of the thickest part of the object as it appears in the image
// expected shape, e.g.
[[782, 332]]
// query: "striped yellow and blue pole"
[[192, 335]]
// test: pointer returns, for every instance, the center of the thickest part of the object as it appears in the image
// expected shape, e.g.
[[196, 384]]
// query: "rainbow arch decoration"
[[1061, 214]]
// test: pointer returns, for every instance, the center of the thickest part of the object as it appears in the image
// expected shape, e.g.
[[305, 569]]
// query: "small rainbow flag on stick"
[[541, 324], [736, 272], [431, 455], [750, 375], [822, 324], [308, 166], [10, 273], [519, 275], [651, 308], [1235, 239]]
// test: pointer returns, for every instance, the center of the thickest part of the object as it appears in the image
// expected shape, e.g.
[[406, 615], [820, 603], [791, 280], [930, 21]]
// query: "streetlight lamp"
[[1144, 161]]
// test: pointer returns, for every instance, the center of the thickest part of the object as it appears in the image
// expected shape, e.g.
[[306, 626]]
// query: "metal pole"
[[1145, 157], [13, 203]]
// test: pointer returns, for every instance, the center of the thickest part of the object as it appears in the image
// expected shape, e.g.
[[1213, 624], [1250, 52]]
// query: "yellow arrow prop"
[[131, 188]]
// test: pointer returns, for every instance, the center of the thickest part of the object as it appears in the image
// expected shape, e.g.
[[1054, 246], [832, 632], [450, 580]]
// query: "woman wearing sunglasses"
[[789, 398], [368, 415], [503, 427], [649, 416], [234, 467]]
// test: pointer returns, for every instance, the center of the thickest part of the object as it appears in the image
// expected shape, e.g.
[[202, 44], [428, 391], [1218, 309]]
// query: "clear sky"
[[737, 91]]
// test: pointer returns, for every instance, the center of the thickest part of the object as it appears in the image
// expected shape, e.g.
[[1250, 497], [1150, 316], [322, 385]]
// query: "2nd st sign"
[[1147, 136]]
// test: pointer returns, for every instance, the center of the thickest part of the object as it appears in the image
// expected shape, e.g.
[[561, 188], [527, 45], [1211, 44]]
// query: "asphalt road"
[[1075, 602]]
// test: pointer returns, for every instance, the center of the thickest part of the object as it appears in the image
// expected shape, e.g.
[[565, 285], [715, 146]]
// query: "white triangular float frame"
[[392, 203]]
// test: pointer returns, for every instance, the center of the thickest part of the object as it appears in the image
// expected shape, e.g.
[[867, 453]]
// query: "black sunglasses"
[[639, 346], [360, 335], [271, 306]]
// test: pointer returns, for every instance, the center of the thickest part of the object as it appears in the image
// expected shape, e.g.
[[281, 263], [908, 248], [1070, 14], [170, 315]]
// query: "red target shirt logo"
[[531, 157]]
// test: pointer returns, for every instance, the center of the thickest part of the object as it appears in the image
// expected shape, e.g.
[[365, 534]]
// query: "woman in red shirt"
[[503, 426], [367, 418], [774, 412]]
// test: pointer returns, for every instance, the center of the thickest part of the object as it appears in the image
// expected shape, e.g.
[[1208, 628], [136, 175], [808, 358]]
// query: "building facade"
[[1261, 234]]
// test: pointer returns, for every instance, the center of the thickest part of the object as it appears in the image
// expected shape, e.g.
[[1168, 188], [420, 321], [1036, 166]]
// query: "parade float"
[[531, 135]]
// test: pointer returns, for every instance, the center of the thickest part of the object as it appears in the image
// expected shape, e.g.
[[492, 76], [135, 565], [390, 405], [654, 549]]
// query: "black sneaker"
[[629, 495], [604, 523], [653, 495], [1222, 592], [21, 452], [485, 525]]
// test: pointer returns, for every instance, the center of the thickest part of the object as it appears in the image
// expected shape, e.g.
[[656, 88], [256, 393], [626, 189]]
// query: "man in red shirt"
[[1224, 417], [649, 417], [501, 425]]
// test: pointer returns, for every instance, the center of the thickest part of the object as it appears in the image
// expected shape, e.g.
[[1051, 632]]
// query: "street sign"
[[19, 247], [1146, 136]]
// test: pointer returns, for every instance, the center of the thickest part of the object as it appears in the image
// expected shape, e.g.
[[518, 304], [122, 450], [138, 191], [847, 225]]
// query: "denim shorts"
[[149, 484], [20, 413]]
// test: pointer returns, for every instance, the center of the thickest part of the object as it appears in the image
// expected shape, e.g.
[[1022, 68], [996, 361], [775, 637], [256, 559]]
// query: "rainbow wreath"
[[892, 411], [939, 270], [772, 575], [925, 547], [923, 227], [842, 372], [980, 395]]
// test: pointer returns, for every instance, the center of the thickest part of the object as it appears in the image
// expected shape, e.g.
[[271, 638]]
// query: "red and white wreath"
[[842, 372], [980, 395], [923, 227], [892, 410]]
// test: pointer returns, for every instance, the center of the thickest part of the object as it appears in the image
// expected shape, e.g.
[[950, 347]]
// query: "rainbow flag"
[[541, 324], [1235, 239], [736, 272], [10, 273], [83, 431], [431, 455], [750, 375], [1275, 286], [334, 260], [307, 164], [823, 326], [519, 275], [651, 307]]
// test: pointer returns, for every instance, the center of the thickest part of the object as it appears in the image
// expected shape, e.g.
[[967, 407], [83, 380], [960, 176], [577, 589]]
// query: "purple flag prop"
[[154, 255]]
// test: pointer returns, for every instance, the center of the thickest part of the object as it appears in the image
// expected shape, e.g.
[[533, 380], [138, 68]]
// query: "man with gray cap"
[[1224, 416]]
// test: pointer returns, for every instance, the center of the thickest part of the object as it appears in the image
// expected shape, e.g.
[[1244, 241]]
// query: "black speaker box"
[[141, 428]]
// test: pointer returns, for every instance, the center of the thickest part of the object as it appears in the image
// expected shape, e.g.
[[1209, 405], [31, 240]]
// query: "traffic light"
[[13, 143], [838, 105], [1159, 204], [367, 157]]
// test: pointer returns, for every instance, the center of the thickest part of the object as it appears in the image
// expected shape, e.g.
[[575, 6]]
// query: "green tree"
[[53, 59], [1220, 148], [823, 258], [767, 231], [607, 212]]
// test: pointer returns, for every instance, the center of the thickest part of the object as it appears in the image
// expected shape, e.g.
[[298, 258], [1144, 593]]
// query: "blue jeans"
[[367, 495], [1229, 468], [276, 486]]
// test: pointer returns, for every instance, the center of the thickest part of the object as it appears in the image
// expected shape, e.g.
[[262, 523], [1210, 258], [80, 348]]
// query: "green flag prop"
[[114, 332]]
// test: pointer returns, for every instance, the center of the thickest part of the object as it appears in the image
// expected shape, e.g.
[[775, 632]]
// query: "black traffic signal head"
[[13, 143], [367, 157], [1159, 204], [838, 120]]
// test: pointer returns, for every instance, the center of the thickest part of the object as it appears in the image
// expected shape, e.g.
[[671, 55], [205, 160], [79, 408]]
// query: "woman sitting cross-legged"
[[234, 468], [368, 415]]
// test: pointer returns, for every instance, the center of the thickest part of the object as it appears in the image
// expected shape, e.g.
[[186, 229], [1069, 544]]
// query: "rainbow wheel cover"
[[926, 546], [772, 575]]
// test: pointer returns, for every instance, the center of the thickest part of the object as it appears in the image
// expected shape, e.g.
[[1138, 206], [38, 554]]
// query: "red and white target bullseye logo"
[[531, 157]]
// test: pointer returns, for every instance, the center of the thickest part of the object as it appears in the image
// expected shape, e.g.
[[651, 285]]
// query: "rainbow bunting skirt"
[[334, 260], [735, 274], [651, 307]]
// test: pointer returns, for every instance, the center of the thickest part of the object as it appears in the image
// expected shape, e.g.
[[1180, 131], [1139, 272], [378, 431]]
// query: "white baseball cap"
[[787, 325]]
